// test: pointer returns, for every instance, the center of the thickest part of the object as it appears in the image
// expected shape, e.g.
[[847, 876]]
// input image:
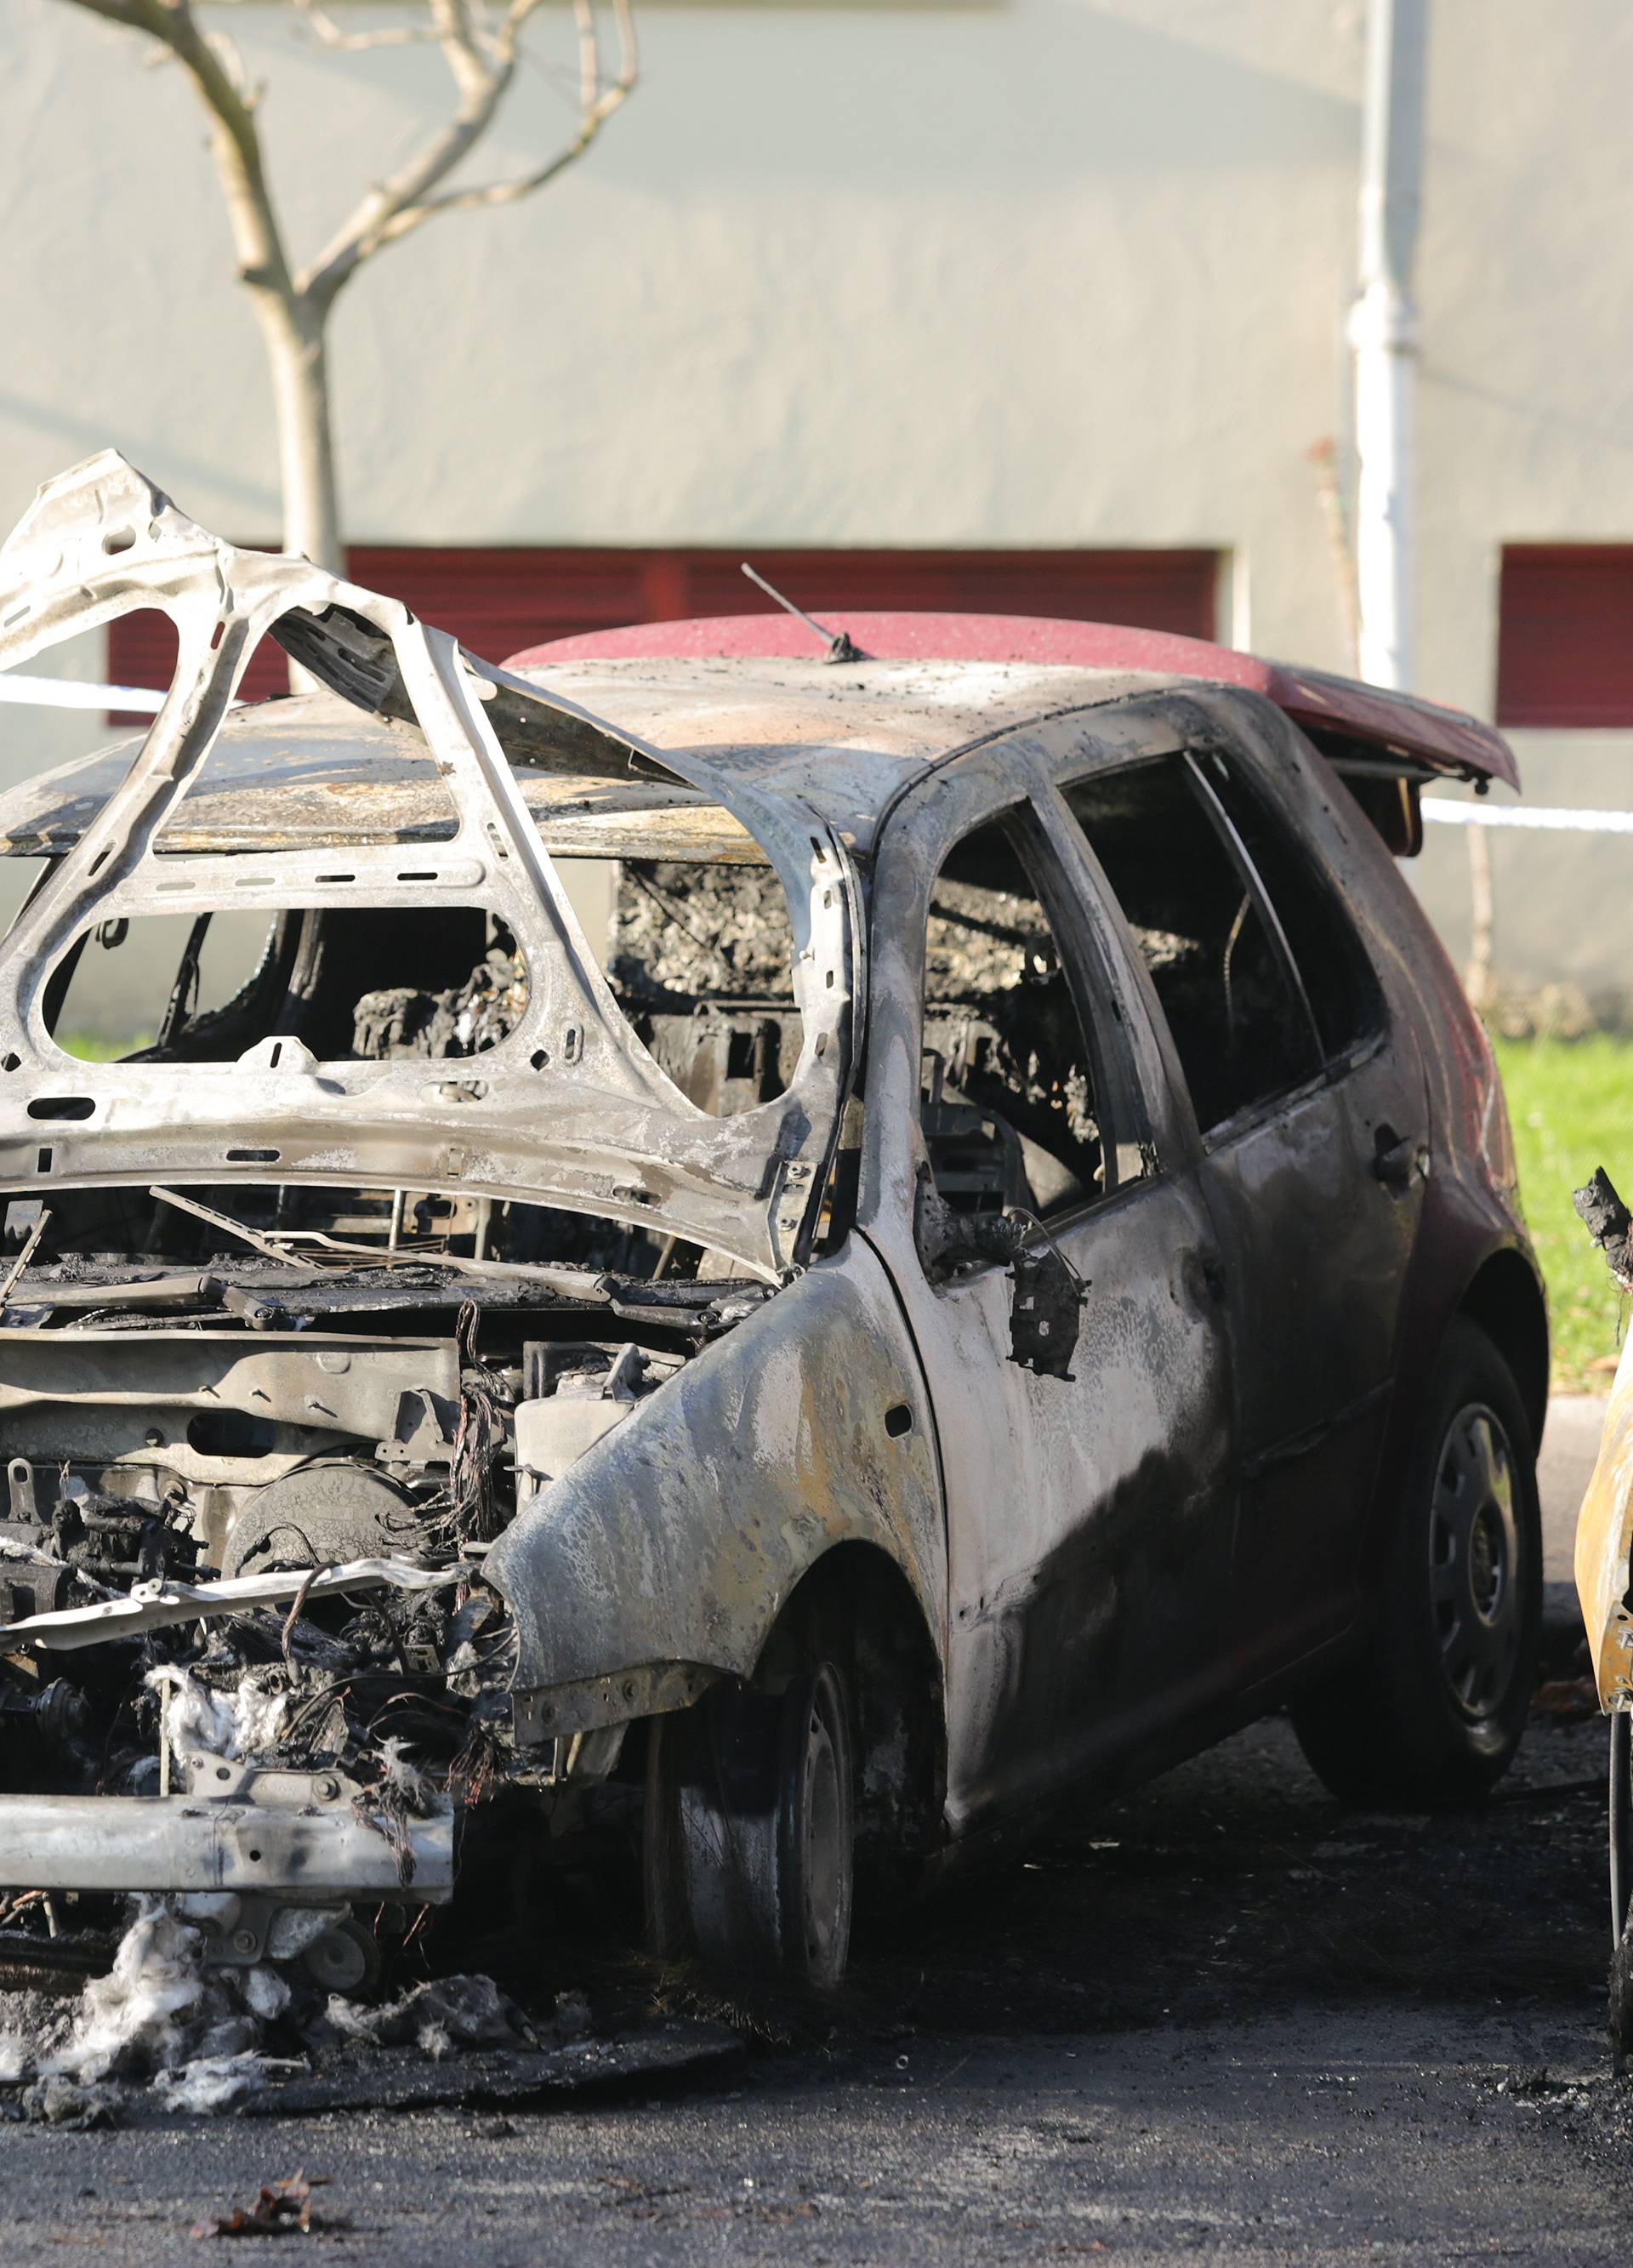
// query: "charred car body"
[[1006, 1267]]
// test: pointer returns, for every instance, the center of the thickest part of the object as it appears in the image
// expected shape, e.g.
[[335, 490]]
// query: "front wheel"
[[1434, 1709], [751, 1831]]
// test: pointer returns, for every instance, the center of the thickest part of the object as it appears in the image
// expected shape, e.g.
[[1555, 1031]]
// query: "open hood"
[[569, 1109]]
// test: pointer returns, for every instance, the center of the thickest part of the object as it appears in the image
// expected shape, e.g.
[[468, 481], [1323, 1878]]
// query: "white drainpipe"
[[1383, 331]]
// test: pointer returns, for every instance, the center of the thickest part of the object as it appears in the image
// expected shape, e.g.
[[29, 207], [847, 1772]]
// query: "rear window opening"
[[1240, 1029], [1259, 971]]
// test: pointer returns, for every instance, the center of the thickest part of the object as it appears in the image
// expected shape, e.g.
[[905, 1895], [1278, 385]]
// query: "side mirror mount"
[[1046, 1305], [1045, 1312], [950, 1242]]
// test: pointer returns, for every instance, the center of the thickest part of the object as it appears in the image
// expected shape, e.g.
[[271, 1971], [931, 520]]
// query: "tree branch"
[[481, 55], [482, 66], [234, 142], [396, 35]]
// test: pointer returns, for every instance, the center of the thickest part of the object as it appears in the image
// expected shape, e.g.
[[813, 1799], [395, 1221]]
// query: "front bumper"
[[296, 1838]]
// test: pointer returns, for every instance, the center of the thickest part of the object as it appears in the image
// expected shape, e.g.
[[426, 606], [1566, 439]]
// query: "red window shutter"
[[498, 600], [1151, 590], [1565, 635]]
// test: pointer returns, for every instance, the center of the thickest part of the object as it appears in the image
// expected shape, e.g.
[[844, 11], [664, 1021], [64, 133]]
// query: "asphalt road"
[[1223, 2018], [1570, 1445]]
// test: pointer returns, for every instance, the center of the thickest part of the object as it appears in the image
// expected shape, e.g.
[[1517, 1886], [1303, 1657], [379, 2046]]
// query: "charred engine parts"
[[575, 1393], [231, 1671]]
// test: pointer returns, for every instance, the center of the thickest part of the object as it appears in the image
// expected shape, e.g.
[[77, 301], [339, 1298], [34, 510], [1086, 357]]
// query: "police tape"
[[1551, 819], [73, 693]]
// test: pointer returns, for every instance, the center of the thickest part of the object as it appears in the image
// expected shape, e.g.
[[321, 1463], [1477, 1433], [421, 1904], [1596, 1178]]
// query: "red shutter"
[[1565, 635], [497, 601]]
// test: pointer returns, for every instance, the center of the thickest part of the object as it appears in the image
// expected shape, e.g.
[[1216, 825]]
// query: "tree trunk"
[[297, 359]]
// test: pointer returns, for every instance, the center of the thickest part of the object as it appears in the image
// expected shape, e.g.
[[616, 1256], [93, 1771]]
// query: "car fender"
[[1464, 1226], [662, 1557]]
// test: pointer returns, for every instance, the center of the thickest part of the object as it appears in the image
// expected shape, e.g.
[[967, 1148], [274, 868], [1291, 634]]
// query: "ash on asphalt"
[[1224, 2015]]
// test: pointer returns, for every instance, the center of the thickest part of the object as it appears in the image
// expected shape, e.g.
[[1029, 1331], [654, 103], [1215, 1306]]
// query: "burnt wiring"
[[184, 991], [485, 1396]]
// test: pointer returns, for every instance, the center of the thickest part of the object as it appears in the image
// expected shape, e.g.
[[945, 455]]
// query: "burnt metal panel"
[[573, 1110], [682, 1535]]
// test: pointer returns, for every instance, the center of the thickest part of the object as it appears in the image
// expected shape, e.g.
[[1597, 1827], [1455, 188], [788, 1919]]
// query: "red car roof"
[[1444, 739]]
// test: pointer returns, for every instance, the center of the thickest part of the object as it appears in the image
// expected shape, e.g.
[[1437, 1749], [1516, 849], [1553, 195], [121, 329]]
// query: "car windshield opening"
[[698, 953]]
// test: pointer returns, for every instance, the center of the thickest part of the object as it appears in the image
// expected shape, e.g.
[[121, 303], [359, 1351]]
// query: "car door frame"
[[1334, 1452], [1288, 1599], [1175, 1650]]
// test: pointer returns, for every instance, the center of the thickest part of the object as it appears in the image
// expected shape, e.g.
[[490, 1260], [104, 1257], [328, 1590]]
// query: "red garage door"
[[1565, 636], [497, 601]]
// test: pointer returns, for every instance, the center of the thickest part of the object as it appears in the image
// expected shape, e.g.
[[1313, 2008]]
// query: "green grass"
[[96, 1047], [1571, 1105]]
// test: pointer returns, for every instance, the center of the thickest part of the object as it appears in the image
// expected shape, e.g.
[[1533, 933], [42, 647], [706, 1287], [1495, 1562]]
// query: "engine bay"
[[261, 1435], [259, 1438]]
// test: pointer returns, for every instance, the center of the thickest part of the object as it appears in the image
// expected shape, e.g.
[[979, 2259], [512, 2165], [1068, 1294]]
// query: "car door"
[[1310, 1114], [1089, 1513]]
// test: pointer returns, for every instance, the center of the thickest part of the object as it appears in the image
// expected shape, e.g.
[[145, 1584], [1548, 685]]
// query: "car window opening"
[[1339, 981], [1238, 1024], [700, 953], [1008, 1106]]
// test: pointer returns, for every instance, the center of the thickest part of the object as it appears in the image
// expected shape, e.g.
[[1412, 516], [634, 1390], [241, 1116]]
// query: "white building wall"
[[1050, 272]]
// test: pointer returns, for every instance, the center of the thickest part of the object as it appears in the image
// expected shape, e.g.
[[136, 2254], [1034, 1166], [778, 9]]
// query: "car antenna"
[[840, 646]]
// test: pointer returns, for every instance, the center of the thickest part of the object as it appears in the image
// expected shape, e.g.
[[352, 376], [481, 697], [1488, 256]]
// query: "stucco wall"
[[1044, 272]]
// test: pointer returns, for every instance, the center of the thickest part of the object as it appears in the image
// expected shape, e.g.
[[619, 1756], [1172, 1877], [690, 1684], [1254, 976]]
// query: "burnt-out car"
[[790, 1255]]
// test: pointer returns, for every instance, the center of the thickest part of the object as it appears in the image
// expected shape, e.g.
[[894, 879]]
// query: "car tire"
[[750, 1832], [1433, 1709]]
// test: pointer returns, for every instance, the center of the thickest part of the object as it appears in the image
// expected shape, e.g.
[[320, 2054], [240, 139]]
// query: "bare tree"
[[482, 49]]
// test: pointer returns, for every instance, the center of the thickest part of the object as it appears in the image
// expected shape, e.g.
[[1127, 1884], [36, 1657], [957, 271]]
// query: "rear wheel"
[[1434, 1710], [751, 1831]]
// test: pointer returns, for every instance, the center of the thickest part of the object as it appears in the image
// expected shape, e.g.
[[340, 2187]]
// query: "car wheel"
[[1434, 1710], [751, 1831]]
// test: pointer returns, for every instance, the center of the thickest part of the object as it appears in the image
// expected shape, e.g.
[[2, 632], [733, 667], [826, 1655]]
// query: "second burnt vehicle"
[[1002, 1266]]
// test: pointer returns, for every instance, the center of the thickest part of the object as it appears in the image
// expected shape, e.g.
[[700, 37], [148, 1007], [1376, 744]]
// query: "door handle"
[[1398, 1160]]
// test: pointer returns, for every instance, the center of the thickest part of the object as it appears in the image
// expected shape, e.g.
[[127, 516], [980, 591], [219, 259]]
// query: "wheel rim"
[[1475, 1572], [826, 1885]]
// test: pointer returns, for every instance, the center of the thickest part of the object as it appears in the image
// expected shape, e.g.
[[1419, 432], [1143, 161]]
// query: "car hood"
[[570, 1109]]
